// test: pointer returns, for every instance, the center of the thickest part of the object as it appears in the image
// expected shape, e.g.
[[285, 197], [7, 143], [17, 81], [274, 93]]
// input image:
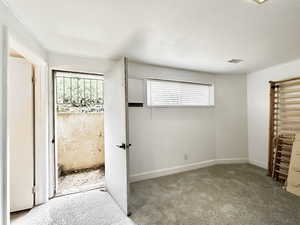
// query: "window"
[[173, 93]]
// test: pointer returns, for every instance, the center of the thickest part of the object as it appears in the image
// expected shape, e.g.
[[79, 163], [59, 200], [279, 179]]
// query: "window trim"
[[210, 85]]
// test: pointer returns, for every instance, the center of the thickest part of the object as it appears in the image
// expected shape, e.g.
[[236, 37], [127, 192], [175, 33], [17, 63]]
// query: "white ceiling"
[[192, 34]]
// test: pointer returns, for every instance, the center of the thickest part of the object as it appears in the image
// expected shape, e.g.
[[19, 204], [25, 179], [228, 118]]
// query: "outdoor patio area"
[[80, 132], [81, 181]]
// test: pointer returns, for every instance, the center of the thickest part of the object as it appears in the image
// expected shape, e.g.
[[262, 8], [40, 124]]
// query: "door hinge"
[[33, 190]]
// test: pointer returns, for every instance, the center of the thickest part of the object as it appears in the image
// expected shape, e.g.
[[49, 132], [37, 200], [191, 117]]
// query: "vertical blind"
[[171, 93]]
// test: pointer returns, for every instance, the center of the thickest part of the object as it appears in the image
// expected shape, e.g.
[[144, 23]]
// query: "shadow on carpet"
[[88, 208]]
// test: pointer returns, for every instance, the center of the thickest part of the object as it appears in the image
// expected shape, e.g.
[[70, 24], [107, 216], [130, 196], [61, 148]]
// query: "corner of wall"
[[258, 107], [231, 113]]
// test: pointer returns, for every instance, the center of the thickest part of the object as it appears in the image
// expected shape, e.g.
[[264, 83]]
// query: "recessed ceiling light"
[[235, 61], [260, 1]]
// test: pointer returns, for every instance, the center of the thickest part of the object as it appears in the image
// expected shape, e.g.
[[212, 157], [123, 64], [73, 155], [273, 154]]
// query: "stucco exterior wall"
[[80, 140]]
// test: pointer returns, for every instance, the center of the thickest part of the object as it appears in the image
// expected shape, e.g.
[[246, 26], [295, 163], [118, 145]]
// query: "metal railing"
[[78, 94]]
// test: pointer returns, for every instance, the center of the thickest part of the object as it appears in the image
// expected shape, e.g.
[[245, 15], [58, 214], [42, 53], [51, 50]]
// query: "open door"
[[116, 133], [20, 133]]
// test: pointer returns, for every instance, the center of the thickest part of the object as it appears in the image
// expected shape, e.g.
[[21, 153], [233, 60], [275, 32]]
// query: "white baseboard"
[[183, 168], [232, 161], [258, 163], [169, 171]]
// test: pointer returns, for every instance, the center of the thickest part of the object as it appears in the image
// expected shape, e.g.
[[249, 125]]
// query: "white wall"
[[167, 140], [258, 108], [231, 117], [78, 64], [3, 164], [160, 137], [20, 34]]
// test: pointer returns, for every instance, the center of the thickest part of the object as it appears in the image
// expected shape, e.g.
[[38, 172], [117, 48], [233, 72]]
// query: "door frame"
[[40, 119], [127, 129], [4, 172], [8, 39], [53, 155], [33, 124]]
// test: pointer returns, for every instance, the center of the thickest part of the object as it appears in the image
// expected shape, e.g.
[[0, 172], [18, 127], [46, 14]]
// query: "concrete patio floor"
[[81, 181]]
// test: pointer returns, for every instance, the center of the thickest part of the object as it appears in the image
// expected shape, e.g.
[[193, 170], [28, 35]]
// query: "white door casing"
[[20, 133], [116, 133]]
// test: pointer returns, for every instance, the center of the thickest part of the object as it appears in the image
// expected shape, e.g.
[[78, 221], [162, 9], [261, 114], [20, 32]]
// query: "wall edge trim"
[[258, 163], [183, 168], [232, 160]]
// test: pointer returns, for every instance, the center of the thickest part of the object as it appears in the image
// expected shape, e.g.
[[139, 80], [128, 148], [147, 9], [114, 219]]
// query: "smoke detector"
[[260, 1]]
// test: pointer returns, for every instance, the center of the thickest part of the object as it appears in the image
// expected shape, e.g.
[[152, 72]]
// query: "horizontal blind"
[[168, 93], [194, 94]]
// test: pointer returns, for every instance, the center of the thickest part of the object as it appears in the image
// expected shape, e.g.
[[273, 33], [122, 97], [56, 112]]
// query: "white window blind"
[[173, 93]]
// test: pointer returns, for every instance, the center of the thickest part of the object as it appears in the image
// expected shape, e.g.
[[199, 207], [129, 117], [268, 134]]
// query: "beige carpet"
[[88, 208], [239, 194]]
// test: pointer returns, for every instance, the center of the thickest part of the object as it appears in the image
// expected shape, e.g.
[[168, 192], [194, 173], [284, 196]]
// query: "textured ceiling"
[[192, 34]]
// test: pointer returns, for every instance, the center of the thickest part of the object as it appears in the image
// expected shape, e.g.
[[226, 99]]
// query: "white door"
[[20, 133], [116, 133]]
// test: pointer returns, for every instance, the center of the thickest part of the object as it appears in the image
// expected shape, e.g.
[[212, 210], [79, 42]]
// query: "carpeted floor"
[[88, 208], [216, 195]]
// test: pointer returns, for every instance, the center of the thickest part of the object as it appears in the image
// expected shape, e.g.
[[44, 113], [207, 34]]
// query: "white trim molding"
[[258, 163], [41, 117], [41, 135], [184, 168], [4, 162], [232, 161]]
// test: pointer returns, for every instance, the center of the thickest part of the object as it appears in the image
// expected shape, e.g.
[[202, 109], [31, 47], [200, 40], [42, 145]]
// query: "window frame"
[[211, 94]]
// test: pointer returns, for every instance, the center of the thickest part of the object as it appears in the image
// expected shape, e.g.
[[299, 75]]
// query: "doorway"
[[79, 131], [116, 138], [21, 132], [25, 159]]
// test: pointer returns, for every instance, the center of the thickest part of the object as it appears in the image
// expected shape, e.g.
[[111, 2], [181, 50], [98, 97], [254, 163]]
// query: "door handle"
[[123, 146]]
